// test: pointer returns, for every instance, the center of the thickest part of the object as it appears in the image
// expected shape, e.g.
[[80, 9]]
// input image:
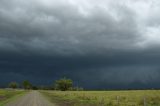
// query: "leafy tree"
[[13, 85], [27, 85], [63, 84]]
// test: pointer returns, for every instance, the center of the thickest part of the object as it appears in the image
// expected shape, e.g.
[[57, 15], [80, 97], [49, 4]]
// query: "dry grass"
[[105, 98]]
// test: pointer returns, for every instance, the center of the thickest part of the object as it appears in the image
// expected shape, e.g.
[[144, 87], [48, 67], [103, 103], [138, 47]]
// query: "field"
[[8, 95], [104, 98]]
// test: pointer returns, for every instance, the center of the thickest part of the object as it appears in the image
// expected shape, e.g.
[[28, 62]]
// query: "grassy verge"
[[9, 95], [104, 98]]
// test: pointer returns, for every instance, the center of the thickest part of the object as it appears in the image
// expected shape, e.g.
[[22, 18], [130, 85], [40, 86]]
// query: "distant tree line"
[[62, 84]]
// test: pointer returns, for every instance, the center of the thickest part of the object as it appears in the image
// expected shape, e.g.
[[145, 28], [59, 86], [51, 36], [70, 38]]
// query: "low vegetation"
[[105, 98], [9, 94], [64, 93], [92, 98]]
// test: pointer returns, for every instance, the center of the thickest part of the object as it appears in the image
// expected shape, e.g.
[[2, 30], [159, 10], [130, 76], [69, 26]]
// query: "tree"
[[13, 85], [27, 85], [63, 84]]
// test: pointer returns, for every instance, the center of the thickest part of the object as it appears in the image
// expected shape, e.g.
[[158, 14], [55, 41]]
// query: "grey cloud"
[[63, 29]]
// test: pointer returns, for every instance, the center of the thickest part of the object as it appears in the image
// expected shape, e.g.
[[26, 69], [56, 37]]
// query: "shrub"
[[27, 85], [13, 85], [63, 84]]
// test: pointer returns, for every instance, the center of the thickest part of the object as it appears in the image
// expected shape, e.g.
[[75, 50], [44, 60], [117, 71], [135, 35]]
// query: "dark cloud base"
[[123, 70]]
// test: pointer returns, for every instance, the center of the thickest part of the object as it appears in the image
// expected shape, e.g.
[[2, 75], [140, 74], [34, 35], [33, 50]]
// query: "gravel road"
[[34, 98]]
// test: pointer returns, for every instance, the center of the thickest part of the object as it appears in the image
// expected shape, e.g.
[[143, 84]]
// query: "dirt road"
[[34, 98]]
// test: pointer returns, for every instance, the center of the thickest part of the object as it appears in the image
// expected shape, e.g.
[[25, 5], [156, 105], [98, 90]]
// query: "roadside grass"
[[104, 98], [9, 95]]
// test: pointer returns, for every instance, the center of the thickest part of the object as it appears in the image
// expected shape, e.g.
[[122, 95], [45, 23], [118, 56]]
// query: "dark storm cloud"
[[100, 71], [89, 41]]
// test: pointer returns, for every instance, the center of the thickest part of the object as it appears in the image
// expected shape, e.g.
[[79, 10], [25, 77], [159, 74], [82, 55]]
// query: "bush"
[[63, 84], [76, 89], [27, 85], [13, 85]]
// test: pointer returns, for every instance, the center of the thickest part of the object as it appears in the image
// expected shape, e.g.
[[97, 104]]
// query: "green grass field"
[[105, 98], [8, 95]]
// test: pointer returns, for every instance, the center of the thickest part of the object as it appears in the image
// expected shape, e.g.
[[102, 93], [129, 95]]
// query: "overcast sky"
[[98, 43]]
